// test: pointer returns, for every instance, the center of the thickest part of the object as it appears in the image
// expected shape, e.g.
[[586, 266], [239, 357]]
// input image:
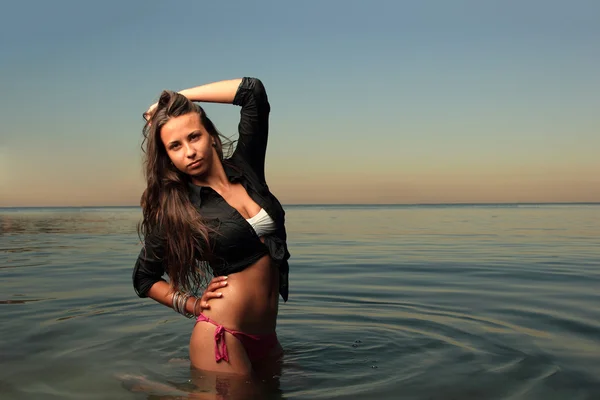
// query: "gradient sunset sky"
[[371, 101]]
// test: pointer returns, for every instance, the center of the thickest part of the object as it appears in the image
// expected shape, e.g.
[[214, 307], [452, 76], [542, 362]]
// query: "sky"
[[429, 101]]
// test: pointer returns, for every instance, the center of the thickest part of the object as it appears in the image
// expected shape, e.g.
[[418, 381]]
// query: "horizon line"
[[354, 204]]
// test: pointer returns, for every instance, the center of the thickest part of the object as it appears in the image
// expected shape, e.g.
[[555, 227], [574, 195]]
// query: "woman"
[[204, 214]]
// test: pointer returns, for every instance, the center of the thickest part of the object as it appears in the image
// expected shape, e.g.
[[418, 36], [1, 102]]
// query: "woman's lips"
[[194, 164]]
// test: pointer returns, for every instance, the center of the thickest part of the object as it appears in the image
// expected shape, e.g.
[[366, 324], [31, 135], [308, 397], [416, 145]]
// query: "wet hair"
[[168, 214]]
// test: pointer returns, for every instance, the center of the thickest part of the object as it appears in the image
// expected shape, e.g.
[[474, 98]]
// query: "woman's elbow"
[[259, 93], [143, 280], [256, 86]]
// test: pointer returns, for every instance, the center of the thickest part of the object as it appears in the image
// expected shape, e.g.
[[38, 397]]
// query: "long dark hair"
[[168, 214]]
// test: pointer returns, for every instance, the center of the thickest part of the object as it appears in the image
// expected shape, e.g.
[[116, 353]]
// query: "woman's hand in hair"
[[212, 292], [150, 112]]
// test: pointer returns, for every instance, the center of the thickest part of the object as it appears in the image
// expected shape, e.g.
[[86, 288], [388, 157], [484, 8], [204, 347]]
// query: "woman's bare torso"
[[250, 300]]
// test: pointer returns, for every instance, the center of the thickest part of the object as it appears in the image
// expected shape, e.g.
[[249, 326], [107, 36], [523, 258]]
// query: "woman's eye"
[[195, 136]]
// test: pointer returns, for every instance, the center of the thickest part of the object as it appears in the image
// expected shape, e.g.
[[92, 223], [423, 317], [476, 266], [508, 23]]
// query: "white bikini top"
[[262, 223]]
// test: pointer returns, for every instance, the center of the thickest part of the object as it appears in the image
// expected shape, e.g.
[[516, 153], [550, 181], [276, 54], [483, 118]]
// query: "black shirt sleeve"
[[254, 124], [149, 267]]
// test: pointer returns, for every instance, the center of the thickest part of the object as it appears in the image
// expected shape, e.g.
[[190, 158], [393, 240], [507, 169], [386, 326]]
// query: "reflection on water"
[[421, 302], [205, 385]]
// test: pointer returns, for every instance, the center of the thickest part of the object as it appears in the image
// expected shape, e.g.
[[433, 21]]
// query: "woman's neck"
[[215, 178]]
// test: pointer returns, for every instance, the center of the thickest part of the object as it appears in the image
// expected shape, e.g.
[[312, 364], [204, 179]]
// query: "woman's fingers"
[[216, 285], [149, 113], [212, 295], [211, 291], [207, 296], [151, 109]]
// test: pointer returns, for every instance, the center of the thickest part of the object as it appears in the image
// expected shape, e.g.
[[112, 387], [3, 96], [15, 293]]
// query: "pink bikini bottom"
[[257, 346]]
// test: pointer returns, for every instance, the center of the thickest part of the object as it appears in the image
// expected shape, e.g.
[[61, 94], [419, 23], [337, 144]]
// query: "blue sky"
[[372, 102]]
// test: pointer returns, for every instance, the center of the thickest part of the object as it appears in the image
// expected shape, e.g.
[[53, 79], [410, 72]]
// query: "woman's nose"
[[190, 151]]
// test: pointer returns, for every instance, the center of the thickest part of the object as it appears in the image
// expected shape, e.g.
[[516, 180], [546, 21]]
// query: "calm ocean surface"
[[386, 302]]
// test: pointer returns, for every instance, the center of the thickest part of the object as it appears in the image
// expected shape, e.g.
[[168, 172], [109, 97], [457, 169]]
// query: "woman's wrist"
[[191, 304]]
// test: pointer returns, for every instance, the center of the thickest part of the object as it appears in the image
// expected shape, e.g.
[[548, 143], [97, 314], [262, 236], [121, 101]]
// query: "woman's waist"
[[250, 300]]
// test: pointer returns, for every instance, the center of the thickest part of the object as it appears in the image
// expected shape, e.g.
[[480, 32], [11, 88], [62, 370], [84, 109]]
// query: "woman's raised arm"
[[215, 92]]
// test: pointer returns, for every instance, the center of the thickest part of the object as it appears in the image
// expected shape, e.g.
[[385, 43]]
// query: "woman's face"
[[188, 144]]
